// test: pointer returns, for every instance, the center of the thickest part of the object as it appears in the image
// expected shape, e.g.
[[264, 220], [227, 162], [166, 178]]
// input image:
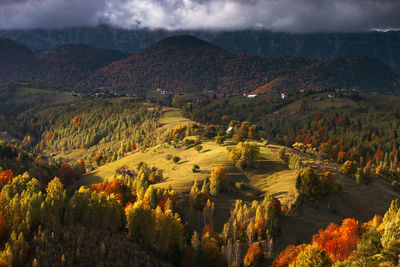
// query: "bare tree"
[[237, 253], [228, 252]]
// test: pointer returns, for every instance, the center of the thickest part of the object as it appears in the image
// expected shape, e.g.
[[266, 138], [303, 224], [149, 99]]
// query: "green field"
[[42, 96]]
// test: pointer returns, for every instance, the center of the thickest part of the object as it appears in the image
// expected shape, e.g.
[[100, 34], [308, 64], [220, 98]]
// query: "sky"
[[296, 16]]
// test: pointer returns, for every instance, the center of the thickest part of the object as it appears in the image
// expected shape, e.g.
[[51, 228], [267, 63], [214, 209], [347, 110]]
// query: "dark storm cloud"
[[277, 15]]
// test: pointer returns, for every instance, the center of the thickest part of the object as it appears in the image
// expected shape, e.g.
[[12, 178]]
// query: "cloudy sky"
[[276, 15]]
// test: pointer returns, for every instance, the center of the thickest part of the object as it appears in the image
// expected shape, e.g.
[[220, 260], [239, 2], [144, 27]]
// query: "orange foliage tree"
[[254, 255], [288, 256], [76, 120], [338, 241], [6, 177], [122, 191], [49, 136], [217, 180]]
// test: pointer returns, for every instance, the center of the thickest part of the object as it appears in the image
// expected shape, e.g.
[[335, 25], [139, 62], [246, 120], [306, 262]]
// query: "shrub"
[[349, 168], [176, 159], [168, 157], [195, 168], [198, 148], [220, 140], [294, 162]]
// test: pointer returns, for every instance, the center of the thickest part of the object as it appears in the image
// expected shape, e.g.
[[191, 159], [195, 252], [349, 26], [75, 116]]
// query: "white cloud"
[[277, 15]]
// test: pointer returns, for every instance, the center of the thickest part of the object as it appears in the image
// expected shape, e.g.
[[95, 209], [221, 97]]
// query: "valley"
[[171, 141], [186, 154]]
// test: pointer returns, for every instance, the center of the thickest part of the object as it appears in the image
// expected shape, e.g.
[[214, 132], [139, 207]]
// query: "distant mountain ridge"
[[187, 64], [384, 46], [64, 66]]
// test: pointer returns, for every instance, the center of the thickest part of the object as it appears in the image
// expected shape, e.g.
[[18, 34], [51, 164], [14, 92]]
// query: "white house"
[[251, 96]]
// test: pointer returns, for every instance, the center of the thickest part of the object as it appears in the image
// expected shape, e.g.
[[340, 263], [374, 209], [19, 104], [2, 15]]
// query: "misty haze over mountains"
[[384, 46]]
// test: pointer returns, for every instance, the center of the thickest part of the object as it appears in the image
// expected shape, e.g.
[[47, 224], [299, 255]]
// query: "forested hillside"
[[64, 66], [102, 130], [15, 61], [69, 64], [187, 64], [356, 72], [382, 46]]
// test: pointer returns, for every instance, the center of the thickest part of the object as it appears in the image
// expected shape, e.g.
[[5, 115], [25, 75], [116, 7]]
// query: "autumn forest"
[[186, 154]]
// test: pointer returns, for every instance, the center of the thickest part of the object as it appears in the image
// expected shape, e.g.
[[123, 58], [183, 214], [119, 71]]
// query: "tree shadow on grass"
[[267, 167], [88, 180]]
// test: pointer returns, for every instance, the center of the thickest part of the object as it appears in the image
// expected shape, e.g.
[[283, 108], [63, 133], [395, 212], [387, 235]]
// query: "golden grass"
[[270, 175], [172, 117]]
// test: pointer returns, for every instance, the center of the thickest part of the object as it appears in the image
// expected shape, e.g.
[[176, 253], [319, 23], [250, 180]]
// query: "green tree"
[[170, 238], [217, 180], [391, 237], [244, 154], [141, 222], [308, 184], [177, 101], [313, 256], [369, 245], [54, 204]]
